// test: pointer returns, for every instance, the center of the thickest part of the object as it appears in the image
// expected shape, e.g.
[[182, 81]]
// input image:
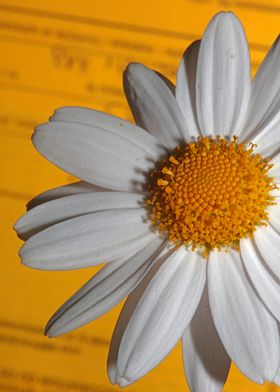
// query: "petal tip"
[[38, 135], [123, 382], [133, 70], [17, 227], [223, 18]]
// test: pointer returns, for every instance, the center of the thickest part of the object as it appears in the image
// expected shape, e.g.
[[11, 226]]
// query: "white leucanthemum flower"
[[207, 196]]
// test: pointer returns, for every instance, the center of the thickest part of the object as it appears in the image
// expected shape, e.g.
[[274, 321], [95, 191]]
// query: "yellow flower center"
[[211, 193]]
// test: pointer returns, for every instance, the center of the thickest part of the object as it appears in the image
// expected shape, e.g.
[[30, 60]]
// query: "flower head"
[[183, 207]]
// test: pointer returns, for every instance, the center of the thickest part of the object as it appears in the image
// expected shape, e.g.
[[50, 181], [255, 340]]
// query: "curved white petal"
[[247, 330], [104, 290], [64, 190], [153, 105], [264, 282], [94, 155], [205, 361], [55, 211], [223, 77], [88, 240], [185, 88], [264, 108], [163, 312], [110, 123], [125, 315], [268, 243]]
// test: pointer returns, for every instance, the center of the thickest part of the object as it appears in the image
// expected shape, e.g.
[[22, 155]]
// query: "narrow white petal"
[[102, 292], [268, 243], [223, 76], [126, 314], [65, 190], [263, 280], [94, 155], [247, 330], [263, 116], [205, 361], [110, 123], [153, 105], [185, 88], [88, 240], [55, 211], [162, 314]]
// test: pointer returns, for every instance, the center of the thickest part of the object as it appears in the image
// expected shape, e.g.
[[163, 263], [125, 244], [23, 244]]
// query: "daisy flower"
[[183, 207]]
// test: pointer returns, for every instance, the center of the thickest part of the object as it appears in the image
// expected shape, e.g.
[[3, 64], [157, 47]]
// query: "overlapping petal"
[[206, 362], [247, 330], [265, 283], [268, 243], [104, 290], [74, 188], [223, 77], [88, 240], [97, 156], [61, 209], [163, 312], [186, 88], [116, 125], [153, 105], [123, 320], [263, 118]]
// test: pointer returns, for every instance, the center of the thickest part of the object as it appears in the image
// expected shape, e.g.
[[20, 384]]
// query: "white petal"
[[223, 76], [88, 240], [163, 312], [268, 143], [247, 330], [153, 105], [126, 314], [277, 378], [264, 109], [205, 361], [102, 292], [55, 211], [93, 154], [185, 88], [274, 217], [265, 284], [110, 123], [64, 190], [268, 243]]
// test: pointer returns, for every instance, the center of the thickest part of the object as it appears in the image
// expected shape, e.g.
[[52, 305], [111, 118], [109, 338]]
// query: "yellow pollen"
[[211, 193]]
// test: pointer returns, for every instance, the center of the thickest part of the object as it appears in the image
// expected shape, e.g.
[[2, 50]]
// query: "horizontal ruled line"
[[9, 194], [111, 24], [94, 21], [55, 93]]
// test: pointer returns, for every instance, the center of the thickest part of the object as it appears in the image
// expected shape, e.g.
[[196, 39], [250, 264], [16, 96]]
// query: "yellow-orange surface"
[[57, 53]]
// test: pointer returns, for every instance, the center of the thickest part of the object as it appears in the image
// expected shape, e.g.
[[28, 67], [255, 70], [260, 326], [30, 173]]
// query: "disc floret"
[[211, 193]]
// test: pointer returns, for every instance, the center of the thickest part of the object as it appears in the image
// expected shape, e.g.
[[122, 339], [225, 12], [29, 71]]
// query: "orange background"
[[57, 53]]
